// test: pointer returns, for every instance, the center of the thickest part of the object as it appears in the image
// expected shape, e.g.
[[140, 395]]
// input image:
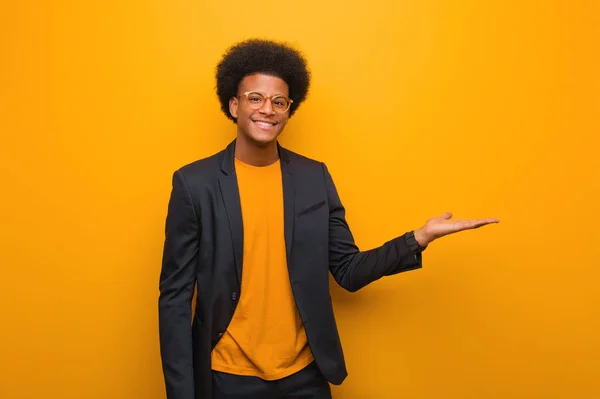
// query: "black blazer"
[[203, 248]]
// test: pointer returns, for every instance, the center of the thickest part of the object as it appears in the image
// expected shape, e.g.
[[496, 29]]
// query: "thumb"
[[446, 215]]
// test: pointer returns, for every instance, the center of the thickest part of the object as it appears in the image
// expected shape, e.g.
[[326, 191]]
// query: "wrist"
[[422, 237]]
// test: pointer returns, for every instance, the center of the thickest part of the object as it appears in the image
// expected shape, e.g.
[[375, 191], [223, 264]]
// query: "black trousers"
[[307, 383]]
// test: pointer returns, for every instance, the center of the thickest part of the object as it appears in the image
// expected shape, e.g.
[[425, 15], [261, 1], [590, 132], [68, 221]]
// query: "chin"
[[264, 139]]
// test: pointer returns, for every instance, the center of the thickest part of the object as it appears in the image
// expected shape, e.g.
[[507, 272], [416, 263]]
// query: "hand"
[[440, 226]]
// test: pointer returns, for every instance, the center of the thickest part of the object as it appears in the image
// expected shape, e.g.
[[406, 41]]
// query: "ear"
[[233, 106]]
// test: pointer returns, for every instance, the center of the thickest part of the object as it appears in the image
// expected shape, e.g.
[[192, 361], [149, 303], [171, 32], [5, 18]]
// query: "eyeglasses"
[[279, 102]]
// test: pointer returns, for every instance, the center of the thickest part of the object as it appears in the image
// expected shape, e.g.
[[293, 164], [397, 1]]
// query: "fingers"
[[488, 221], [462, 224], [482, 222]]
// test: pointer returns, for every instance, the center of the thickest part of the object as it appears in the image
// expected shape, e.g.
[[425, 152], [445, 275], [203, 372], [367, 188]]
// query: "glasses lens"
[[280, 103], [256, 100]]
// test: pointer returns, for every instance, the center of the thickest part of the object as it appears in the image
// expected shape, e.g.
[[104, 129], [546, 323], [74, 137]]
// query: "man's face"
[[260, 126]]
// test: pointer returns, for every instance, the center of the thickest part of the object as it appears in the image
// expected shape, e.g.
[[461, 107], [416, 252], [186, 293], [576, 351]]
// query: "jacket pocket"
[[311, 208]]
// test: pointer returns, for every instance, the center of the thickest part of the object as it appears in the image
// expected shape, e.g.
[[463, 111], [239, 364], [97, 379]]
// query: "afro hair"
[[262, 56]]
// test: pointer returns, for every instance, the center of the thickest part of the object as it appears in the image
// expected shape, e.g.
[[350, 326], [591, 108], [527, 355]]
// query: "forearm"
[[177, 281], [356, 269], [176, 348]]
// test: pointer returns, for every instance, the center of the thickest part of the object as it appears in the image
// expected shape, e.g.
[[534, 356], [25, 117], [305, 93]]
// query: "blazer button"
[[220, 334], [234, 296]]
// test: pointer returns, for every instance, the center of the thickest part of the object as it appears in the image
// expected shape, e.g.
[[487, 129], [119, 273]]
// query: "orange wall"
[[478, 108]]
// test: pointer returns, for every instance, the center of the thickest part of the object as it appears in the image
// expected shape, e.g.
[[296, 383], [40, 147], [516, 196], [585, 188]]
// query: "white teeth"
[[265, 124]]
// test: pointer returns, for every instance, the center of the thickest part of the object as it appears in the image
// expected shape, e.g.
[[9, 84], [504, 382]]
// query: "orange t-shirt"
[[266, 337]]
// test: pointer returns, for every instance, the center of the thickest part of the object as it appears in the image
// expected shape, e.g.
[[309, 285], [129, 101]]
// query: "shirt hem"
[[297, 366]]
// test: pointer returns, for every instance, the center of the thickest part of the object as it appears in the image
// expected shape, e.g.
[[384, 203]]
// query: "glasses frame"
[[271, 98]]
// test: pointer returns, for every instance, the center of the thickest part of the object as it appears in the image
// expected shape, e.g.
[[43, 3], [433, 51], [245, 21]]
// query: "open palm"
[[440, 226]]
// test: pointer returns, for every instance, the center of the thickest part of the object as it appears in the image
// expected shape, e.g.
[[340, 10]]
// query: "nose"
[[267, 107]]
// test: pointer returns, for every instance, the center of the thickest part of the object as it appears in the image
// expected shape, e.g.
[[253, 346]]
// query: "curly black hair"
[[262, 56]]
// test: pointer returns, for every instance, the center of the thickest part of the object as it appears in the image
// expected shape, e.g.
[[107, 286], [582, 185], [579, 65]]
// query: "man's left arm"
[[354, 269]]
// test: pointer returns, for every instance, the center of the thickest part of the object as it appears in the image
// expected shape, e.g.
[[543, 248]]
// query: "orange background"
[[483, 109]]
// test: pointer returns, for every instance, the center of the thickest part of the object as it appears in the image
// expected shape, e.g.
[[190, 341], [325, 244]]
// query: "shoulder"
[[304, 163], [310, 171], [200, 174], [309, 168], [202, 168]]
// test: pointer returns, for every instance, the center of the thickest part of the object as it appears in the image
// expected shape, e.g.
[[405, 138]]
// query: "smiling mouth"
[[265, 125]]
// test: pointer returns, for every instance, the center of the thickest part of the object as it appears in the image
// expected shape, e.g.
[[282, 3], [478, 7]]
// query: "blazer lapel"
[[231, 197], [289, 194]]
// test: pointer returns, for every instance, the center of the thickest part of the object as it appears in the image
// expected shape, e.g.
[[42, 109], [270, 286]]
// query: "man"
[[256, 229]]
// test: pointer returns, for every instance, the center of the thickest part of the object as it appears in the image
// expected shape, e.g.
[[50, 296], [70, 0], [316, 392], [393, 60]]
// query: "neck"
[[253, 154]]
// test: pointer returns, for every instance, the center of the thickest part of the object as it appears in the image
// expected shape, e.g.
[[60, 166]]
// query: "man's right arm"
[[177, 280]]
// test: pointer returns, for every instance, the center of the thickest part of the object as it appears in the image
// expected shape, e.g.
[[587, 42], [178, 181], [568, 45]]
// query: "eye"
[[280, 102]]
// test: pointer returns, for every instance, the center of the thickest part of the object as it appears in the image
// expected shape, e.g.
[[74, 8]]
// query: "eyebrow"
[[262, 92]]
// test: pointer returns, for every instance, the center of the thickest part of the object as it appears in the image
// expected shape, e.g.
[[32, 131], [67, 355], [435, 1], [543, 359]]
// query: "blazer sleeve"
[[177, 280], [353, 269]]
